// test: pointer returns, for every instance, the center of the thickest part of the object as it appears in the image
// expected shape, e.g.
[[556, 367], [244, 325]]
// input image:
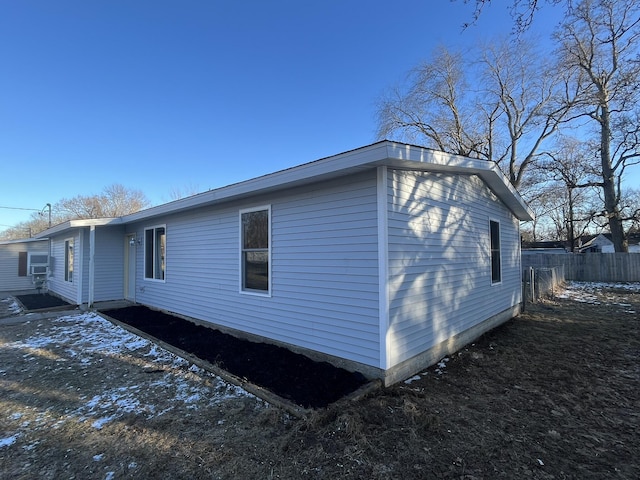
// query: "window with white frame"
[[68, 260], [496, 261], [255, 239], [155, 239], [38, 263]]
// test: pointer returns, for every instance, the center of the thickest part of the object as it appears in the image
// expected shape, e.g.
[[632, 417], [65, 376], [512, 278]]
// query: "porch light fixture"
[[132, 242]]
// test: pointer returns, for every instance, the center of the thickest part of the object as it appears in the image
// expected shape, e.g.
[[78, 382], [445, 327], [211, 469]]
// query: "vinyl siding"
[[57, 283], [439, 259], [9, 253], [109, 264], [324, 282]]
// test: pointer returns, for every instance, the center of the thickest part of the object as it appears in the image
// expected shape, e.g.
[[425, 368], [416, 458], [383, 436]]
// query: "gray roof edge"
[[24, 240], [385, 152]]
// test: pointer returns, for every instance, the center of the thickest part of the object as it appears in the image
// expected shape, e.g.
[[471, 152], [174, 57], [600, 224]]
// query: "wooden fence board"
[[589, 267]]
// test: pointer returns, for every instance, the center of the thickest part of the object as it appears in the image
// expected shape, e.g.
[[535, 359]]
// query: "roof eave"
[[394, 154], [72, 224]]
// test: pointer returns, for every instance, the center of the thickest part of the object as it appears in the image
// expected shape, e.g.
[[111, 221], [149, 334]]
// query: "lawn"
[[551, 394]]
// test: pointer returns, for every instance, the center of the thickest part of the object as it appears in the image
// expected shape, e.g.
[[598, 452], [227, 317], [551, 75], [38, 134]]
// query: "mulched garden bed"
[[38, 301], [289, 375]]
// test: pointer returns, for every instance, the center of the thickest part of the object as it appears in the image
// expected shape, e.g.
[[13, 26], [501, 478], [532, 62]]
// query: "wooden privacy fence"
[[588, 267]]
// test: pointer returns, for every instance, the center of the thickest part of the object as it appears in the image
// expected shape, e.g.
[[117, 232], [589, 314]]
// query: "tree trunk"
[[572, 235], [609, 184]]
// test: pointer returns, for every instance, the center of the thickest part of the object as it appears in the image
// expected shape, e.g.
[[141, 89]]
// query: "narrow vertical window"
[[68, 260], [496, 268], [154, 253], [255, 251], [22, 264]]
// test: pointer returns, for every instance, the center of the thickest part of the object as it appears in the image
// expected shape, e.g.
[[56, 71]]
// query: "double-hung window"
[[496, 267], [68, 260], [155, 245], [255, 251]]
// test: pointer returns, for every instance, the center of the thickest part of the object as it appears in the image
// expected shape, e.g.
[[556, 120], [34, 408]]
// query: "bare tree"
[[114, 201], [599, 40], [570, 167], [630, 207], [176, 193], [533, 98], [487, 108], [438, 107], [522, 11]]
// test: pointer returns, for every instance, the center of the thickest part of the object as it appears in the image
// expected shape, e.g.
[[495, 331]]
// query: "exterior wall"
[[109, 264], [324, 284], [9, 254], [439, 260], [57, 284]]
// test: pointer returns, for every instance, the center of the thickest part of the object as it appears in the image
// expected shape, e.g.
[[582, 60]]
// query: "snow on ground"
[[86, 340], [11, 305], [597, 293]]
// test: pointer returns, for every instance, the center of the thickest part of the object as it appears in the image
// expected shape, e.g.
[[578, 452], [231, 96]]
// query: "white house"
[[380, 259], [602, 243], [23, 263]]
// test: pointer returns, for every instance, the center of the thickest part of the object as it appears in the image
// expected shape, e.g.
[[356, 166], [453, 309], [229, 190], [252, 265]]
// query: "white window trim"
[[494, 220], [65, 277], [144, 254], [241, 289]]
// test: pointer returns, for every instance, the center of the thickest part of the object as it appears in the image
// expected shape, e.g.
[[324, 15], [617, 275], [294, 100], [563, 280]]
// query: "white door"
[[130, 267]]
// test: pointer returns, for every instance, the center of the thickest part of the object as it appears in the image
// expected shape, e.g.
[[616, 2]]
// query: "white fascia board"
[[71, 224], [397, 155], [418, 158]]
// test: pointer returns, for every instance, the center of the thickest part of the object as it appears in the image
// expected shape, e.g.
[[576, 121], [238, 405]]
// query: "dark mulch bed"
[[290, 375], [38, 301]]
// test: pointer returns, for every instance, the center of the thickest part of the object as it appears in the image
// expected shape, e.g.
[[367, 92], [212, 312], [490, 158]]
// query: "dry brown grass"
[[552, 394]]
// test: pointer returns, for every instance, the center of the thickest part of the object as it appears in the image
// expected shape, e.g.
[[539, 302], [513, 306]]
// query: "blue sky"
[[165, 95]]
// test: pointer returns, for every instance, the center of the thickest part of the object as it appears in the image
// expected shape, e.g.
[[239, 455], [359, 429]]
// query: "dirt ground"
[[552, 394]]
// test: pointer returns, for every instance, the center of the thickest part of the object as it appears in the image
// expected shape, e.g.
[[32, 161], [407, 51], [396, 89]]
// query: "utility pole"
[[49, 206]]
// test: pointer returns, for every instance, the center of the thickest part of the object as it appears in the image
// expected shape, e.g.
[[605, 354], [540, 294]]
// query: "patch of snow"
[[99, 457], [8, 441], [585, 292], [412, 379], [13, 306], [110, 476], [441, 366], [87, 338], [101, 422]]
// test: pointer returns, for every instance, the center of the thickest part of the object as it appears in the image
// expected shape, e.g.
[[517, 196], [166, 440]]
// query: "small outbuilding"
[[381, 259]]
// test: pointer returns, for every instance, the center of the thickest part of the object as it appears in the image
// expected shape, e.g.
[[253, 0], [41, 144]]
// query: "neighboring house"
[[547, 247], [381, 259], [594, 244], [602, 243], [22, 262]]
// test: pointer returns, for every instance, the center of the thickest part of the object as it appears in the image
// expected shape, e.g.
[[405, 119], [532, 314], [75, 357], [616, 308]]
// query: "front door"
[[130, 267]]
